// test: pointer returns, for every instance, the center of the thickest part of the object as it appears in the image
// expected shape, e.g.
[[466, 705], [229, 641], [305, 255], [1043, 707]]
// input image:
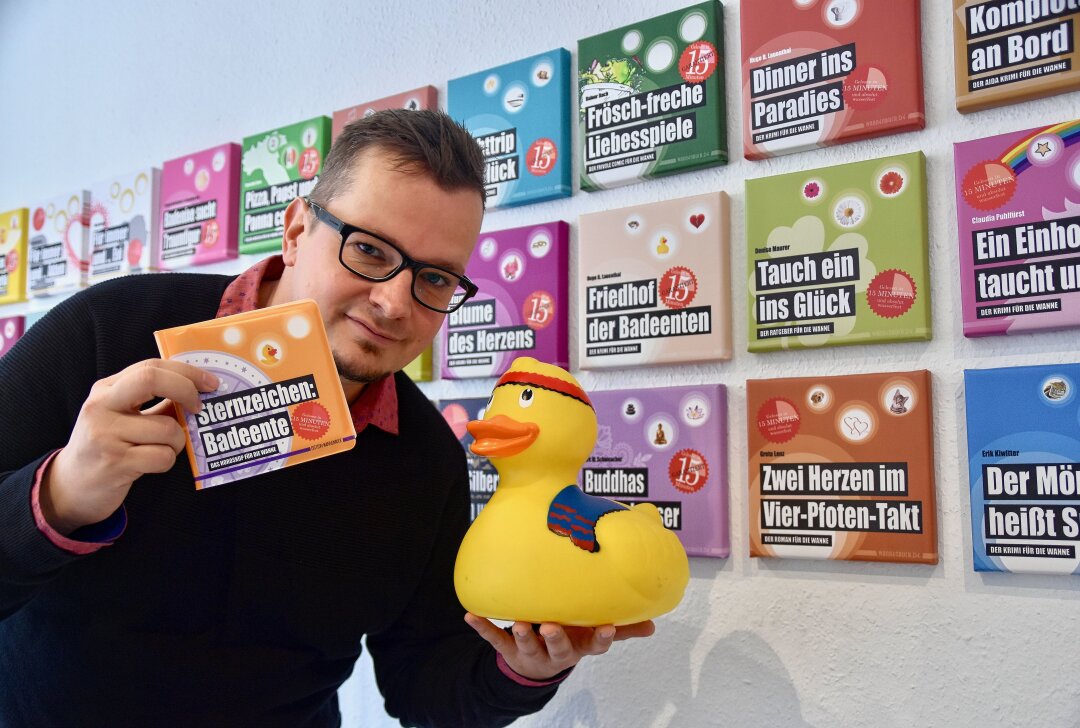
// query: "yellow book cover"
[[13, 260], [280, 401]]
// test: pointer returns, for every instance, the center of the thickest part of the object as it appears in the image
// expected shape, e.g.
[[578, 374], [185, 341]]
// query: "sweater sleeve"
[[431, 667], [47, 375]]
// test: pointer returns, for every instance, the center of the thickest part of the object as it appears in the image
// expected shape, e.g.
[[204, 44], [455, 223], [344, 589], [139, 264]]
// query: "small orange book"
[[280, 401]]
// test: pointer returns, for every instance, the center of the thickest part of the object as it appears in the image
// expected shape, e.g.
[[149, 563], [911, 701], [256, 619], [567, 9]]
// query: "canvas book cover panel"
[[519, 113], [838, 255], [822, 72], [521, 308], [654, 283], [483, 477], [1018, 223], [199, 209], [425, 97], [122, 223], [1024, 463], [59, 244], [276, 167], [1006, 51], [651, 98], [667, 446], [842, 467]]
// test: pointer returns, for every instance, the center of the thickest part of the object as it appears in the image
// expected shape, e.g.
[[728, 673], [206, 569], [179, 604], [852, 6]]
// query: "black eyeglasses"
[[367, 255]]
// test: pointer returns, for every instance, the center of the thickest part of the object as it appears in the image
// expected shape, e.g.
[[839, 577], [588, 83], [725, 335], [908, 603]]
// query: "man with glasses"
[[129, 598]]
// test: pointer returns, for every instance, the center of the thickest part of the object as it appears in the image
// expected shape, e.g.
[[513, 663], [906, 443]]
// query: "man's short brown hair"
[[422, 142]]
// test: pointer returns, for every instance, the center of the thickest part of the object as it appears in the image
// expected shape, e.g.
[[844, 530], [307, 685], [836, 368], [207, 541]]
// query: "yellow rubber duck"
[[543, 551]]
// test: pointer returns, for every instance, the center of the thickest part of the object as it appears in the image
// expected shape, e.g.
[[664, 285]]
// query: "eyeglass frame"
[[345, 229]]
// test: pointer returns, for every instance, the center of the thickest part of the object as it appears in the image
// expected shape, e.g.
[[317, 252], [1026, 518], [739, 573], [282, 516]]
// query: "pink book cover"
[[199, 209], [654, 284], [425, 97], [11, 330], [667, 446], [1018, 220], [521, 308]]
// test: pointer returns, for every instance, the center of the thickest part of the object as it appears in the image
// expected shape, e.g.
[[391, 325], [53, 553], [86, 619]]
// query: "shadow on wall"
[[739, 666], [656, 691]]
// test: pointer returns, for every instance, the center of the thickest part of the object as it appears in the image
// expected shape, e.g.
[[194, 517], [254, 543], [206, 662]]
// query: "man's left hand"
[[541, 655]]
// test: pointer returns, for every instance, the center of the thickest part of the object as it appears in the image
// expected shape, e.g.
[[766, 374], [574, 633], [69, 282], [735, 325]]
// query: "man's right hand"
[[114, 443]]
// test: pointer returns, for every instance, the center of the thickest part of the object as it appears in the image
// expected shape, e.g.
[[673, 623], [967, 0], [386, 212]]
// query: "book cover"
[[279, 402], [59, 245], [1024, 461], [199, 209], [11, 330], [651, 98], [483, 477], [1018, 219], [521, 309], [666, 446], [520, 115], [122, 222], [278, 166], [823, 72], [838, 255], [425, 97], [14, 258], [1007, 51], [654, 284], [419, 369], [842, 467]]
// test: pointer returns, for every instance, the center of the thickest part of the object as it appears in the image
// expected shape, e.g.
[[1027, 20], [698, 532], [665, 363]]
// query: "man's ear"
[[296, 221]]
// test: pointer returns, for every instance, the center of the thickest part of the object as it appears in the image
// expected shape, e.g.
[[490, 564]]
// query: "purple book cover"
[[483, 477], [521, 306], [666, 446], [11, 329], [199, 209], [1018, 217]]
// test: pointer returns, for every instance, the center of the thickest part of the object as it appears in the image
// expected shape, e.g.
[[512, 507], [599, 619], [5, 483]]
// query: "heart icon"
[[856, 426], [697, 220]]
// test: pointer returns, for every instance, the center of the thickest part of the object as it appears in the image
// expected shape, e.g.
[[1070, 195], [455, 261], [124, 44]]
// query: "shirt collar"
[[377, 404]]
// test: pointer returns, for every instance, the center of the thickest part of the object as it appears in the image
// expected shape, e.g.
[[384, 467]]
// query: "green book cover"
[[652, 98], [277, 166], [838, 255]]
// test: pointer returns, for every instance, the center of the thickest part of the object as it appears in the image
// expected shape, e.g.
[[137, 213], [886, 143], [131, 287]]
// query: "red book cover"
[[823, 72]]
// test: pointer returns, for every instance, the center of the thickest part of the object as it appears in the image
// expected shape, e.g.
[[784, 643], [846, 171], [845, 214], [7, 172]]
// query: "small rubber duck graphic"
[[662, 248], [268, 354], [542, 550]]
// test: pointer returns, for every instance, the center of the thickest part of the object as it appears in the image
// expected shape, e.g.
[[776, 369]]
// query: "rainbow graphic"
[[1017, 157]]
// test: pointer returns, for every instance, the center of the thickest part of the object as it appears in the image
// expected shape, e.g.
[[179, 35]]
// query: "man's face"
[[377, 328]]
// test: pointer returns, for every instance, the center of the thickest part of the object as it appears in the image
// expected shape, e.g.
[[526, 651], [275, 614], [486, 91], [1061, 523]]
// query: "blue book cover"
[[520, 114], [1023, 450], [483, 478]]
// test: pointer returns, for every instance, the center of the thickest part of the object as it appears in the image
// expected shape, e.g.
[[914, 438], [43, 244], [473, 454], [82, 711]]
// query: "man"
[[129, 598]]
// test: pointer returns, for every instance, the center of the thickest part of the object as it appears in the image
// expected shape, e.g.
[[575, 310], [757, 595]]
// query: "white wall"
[[91, 89]]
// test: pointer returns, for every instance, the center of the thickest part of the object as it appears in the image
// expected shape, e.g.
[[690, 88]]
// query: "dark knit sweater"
[[238, 605]]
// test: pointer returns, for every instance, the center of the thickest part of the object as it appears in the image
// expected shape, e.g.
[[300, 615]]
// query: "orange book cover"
[[280, 401], [842, 467]]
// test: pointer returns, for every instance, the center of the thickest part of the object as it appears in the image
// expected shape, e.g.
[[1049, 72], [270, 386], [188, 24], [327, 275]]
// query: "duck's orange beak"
[[501, 436]]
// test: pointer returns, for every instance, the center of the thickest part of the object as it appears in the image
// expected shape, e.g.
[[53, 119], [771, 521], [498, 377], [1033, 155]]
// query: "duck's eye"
[[526, 398]]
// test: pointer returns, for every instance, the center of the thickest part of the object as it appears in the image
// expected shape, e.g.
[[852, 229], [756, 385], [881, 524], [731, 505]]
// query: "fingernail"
[[606, 633], [210, 381], [520, 634], [545, 635]]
